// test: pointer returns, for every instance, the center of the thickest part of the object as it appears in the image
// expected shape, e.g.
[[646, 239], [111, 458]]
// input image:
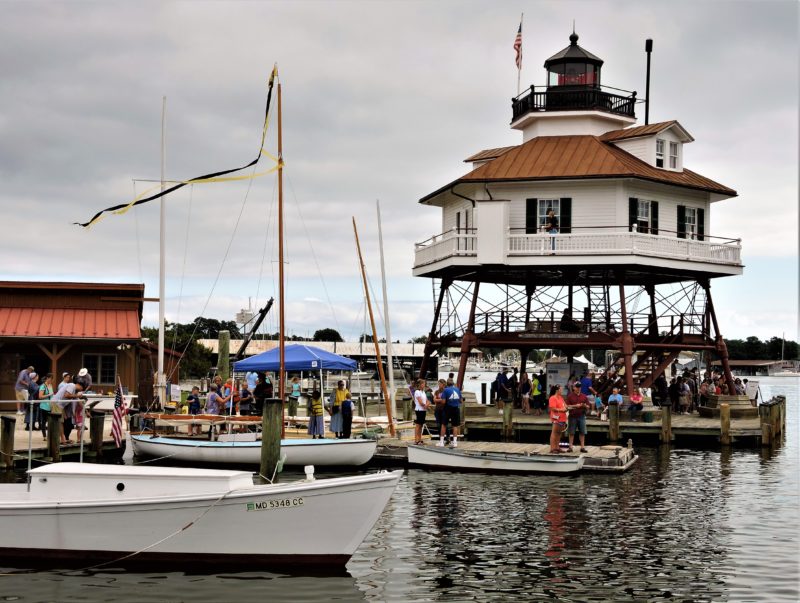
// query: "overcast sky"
[[382, 100]]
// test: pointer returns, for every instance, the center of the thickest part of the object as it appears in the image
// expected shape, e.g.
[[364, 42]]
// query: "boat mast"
[[281, 304], [389, 358], [161, 383], [386, 398]]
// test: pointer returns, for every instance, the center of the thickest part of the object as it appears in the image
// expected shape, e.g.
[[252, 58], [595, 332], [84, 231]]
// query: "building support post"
[[423, 368], [653, 322], [468, 339], [719, 342], [627, 342]]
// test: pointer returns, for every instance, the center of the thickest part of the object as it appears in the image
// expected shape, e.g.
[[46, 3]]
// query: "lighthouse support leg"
[[423, 369], [627, 342], [719, 342], [468, 339]]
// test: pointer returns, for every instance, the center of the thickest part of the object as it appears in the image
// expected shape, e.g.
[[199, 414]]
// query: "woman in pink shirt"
[[558, 416]]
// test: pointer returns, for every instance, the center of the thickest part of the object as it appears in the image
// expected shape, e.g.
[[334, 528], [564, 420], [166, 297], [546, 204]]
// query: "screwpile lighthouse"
[[631, 265]]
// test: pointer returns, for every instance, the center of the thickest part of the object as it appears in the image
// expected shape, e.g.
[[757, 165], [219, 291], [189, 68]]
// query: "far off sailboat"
[[126, 515]]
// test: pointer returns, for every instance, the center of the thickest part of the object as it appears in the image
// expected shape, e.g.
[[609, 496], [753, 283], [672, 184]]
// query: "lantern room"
[[573, 66]]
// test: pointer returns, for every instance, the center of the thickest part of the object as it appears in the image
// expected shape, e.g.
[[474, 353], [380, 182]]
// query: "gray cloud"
[[382, 100]]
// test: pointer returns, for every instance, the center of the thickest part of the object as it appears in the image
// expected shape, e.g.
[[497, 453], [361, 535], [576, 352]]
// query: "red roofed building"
[[629, 263], [58, 327]]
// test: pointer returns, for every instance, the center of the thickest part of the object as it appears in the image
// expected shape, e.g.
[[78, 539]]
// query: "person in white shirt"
[[421, 405]]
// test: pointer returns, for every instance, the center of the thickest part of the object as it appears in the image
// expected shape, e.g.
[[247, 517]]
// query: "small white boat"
[[327, 452], [472, 460], [78, 513]]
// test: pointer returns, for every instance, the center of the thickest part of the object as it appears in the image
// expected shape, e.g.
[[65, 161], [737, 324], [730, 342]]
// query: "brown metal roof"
[[488, 154], [581, 157], [70, 323], [640, 131], [133, 288]]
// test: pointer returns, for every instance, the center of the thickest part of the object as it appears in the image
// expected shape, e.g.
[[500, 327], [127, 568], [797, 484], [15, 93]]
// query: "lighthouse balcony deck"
[[616, 245]]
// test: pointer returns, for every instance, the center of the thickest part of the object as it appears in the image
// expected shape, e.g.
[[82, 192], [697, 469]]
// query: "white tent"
[[585, 360]]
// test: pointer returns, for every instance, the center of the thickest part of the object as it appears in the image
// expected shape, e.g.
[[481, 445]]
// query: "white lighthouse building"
[[631, 264]]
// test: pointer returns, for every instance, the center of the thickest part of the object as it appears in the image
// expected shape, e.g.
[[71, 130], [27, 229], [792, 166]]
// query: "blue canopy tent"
[[297, 357]]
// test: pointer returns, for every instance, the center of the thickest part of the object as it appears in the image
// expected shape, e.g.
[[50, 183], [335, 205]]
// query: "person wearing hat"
[[84, 379], [21, 388]]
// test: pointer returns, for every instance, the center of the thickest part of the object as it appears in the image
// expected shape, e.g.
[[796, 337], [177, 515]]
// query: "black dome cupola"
[[573, 66]]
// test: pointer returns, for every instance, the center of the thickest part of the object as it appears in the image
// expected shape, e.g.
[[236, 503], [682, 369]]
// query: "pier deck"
[[693, 426]]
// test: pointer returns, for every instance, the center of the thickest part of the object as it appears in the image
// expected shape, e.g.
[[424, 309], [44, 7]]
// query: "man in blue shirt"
[[452, 412], [587, 383]]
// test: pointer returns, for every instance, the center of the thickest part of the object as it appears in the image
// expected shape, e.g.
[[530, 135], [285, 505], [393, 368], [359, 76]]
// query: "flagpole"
[[519, 68]]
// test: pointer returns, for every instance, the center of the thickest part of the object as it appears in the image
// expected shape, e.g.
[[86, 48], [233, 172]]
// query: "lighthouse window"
[[643, 222], [691, 222], [659, 153], [545, 205], [673, 155]]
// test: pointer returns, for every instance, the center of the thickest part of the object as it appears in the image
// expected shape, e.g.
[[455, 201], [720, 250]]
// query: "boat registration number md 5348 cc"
[[281, 503]]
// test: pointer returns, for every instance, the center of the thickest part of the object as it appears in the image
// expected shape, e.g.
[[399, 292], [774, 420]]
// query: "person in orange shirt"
[[558, 416]]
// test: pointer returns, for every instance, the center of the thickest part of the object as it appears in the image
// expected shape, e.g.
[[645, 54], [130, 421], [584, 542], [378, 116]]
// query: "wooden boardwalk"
[[487, 423]]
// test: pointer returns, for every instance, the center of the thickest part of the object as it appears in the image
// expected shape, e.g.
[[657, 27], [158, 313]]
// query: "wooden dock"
[[38, 444], [765, 427], [607, 459]]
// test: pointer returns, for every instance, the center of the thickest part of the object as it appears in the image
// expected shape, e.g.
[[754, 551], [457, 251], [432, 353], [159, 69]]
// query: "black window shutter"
[[681, 221], [633, 212], [566, 215], [653, 217], [531, 216], [701, 223]]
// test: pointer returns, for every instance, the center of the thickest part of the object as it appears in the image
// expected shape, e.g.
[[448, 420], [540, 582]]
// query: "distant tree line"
[[753, 348]]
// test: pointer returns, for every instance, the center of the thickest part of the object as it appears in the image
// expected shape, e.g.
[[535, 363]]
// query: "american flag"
[[119, 412], [518, 46]]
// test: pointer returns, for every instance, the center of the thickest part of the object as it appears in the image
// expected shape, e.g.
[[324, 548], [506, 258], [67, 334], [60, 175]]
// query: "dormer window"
[[660, 152], [673, 155]]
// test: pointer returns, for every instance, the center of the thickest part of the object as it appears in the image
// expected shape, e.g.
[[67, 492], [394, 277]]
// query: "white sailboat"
[[297, 452], [133, 515], [492, 462], [130, 515]]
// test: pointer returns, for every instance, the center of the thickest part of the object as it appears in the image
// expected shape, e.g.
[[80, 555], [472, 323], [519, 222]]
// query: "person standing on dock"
[[45, 394], [316, 418], [558, 417], [420, 409], [578, 405], [438, 411], [452, 412], [503, 389], [21, 388], [525, 389]]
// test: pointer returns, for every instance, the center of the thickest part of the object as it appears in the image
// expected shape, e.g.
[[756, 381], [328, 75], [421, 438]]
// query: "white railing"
[[633, 243], [445, 245], [451, 243]]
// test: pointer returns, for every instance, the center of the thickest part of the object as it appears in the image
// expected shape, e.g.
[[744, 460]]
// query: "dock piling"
[[271, 423], [613, 422], [725, 424], [96, 425], [666, 424], [9, 426], [54, 436]]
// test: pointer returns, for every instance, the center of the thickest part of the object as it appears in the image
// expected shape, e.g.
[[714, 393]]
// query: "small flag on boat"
[[119, 412], [518, 47]]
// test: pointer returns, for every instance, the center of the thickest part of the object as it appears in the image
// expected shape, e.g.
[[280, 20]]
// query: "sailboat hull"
[[300, 452], [83, 514], [455, 459]]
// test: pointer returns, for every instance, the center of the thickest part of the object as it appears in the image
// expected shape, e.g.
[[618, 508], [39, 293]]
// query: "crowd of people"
[[446, 401], [38, 398], [248, 398]]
